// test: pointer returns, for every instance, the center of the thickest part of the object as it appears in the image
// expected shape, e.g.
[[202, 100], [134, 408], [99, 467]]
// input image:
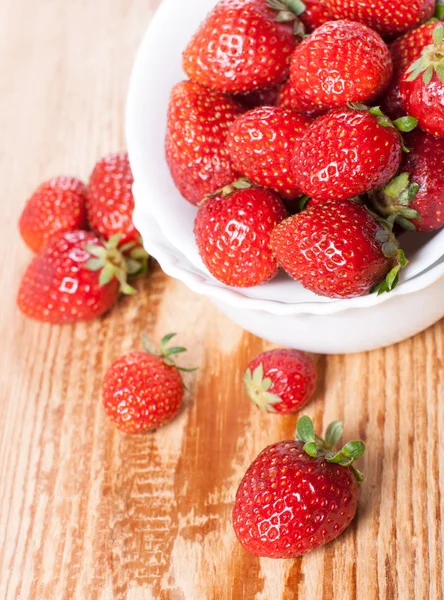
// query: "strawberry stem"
[[164, 351]]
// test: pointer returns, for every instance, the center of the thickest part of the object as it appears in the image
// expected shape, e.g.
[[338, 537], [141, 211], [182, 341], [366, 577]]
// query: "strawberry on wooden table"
[[57, 206], [298, 495]]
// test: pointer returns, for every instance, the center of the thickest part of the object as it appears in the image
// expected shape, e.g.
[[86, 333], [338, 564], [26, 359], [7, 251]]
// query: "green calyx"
[[403, 124], [431, 60], [288, 11], [240, 184], [258, 389], [118, 262], [318, 447], [439, 13], [164, 352], [394, 200]]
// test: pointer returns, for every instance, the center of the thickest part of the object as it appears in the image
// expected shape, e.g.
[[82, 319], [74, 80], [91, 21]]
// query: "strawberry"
[[291, 99], [77, 277], [244, 45], [339, 250], [281, 381], [144, 390], [261, 145], [341, 62], [348, 152], [57, 206], [259, 98], [109, 199], [298, 495], [422, 86], [316, 13], [198, 123], [390, 18], [232, 231], [404, 51]]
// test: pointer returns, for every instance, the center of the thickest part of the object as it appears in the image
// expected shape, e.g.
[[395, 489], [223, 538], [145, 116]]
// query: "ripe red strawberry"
[[244, 45], [291, 99], [298, 495], [76, 277], [341, 62], [198, 123], [57, 206], [338, 249], [109, 199], [233, 231], [281, 381], [144, 390], [316, 13], [346, 153], [422, 86], [404, 51], [261, 145], [390, 18], [259, 98]]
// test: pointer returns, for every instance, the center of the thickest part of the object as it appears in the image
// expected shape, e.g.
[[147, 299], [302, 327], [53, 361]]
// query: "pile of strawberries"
[[310, 134]]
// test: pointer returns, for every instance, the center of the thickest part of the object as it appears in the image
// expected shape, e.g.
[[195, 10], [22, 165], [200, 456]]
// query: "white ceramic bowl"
[[281, 311]]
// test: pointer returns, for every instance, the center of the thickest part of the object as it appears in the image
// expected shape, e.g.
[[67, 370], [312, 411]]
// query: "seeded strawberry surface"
[[57, 206], [425, 101], [291, 99], [316, 13]]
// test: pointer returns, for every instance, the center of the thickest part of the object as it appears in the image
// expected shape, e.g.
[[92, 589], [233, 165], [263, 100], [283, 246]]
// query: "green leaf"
[[376, 111], [139, 253], [148, 344], [248, 378], [349, 453], [174, 350], [185, 370], [438, 34], [127, 289], [397, 185], [297, 7], [303, 201], [94, 250], [114, 240], [402, 258], [439, 14], [311, 449], [164, 341], [428, 74], [405, 224], [440, 70], [126, 247], [333, 433], [409, 213], [405, 124], [258, 374], [133, 266], [106, 275], [391, 277], [95, 264], [305, 429]]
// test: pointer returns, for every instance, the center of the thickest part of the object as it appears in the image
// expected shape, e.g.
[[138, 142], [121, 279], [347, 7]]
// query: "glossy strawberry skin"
[[141, 393], [331, 249], [293, 375], [289, 503], [291, 99], [57, 206], [261, 145], [316, 14], [240, 48], [341, 62], [196, 153], [424, 163], [425, 102], [109, 200], [346, 153], [58, 288], [233, 236], [390, 18]]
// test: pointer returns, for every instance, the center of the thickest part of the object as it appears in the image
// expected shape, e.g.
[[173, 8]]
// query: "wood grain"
[[88, 513]]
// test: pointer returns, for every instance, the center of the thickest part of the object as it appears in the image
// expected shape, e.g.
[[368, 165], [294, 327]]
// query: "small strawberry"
[[144, 390], [232, 231], [338, 250], [259, 98], [348, 152], [316, 13], [77, 277], [57, 206], [198, 123], [422, 86], [291, 99], [261, 145], [109, 199], [341, 62], [298, 495], [281, 381], [244, 45], [390, 18]]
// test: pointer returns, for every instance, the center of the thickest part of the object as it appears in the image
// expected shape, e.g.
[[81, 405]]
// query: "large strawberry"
[[290, 98], [261, 145], [390, 17], [298, 495], [57, 206], [341, 62], [339, 250], [316, 13], [77, 277], [422, 86], [196, 153], [244, 45], [232, 231]]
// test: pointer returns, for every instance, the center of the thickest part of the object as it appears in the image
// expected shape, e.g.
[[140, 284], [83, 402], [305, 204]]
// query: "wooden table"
[[89, 513]]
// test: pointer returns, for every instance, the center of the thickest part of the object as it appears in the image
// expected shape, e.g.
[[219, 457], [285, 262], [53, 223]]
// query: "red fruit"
[[337, 249], [346, 153], [109, 199], [76, 278], [404, 51], [261, 145], [258, 98], [389, 17], [241, 46], [57, 206], [294, 498], [316, 13], [233, 235], [291, 99], [341, 62], [198, 123], [281, 381], [422, 86], [144, 390]]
